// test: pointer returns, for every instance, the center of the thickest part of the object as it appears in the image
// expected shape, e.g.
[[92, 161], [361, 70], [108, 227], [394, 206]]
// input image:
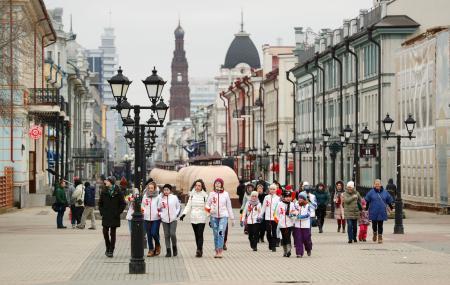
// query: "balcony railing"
[[45, 96]]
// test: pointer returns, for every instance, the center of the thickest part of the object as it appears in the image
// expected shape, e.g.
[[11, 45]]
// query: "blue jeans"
[[60, 216], [352, 229], [152, 230], [219, 225]]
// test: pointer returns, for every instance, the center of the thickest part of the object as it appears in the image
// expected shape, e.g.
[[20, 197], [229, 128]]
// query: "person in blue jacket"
[[379, 201]]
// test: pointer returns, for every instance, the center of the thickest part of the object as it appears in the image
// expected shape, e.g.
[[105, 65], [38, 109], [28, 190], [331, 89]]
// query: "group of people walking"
[[280, 214], [349, 207]]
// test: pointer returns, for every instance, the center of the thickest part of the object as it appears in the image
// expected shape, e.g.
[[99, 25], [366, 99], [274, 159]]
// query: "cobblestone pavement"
[[33, 251]]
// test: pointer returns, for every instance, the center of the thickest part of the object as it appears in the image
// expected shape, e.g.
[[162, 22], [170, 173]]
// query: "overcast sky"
[[144, 28]]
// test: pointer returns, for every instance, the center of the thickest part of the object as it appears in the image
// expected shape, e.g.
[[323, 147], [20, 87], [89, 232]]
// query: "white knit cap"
[[306, 183], [351, 184]]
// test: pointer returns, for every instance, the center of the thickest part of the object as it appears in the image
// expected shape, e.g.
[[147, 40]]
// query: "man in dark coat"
[[240, 191], [111, 205]]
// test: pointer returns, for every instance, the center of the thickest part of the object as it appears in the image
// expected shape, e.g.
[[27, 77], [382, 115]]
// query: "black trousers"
[[377, 226], [271, 228], [262, 231], [321, 212], [253, 234], [286, 235], [109, 234], [198, 231]]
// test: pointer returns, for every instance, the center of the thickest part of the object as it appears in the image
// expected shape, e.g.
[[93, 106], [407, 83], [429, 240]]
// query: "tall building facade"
[[179, 90], [104, 61], [202, 93]]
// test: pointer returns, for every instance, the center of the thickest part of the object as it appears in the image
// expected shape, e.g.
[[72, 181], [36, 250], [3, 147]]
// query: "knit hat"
[[254, 193], [219, 180], [288, 187], [303, 196], [306, 183], [350, 184], [340, 182], [168, 186], [111, 179]]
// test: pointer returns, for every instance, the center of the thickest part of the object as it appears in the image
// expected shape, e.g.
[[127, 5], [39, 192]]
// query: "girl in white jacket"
[[219, 206], [285, 221], [152, 221], [169, 208], [267, 211], [196, 206], [302, 228], [250, 218]]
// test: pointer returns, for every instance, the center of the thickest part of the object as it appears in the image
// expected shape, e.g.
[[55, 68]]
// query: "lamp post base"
[[137, 266], [398, 229], [398, 226]]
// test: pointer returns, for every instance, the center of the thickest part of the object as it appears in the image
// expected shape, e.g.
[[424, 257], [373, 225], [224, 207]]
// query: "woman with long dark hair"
[[196, 207]]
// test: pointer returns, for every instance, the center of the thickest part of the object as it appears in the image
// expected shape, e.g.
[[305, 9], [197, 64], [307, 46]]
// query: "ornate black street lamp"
[[135, 138], [410, 124], [294, 149]]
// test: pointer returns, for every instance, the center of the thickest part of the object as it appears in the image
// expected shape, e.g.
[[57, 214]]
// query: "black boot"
[[175, 251], [277, 244], [169, 253]]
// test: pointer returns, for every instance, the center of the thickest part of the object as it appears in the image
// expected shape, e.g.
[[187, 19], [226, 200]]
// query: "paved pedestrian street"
[[33, 251]]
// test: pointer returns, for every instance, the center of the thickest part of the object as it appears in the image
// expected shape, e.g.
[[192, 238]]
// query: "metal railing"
[[45, 96]]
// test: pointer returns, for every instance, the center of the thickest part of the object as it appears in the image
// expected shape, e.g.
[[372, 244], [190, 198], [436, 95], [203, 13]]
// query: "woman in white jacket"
[[219, 206], [196, 206], [169, 209], [250, 217], [152, 221]]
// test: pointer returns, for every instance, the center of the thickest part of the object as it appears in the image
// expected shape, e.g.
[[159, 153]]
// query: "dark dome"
[[242, 50], [179, 32]]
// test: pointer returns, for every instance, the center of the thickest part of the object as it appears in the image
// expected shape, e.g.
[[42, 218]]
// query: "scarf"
[[253, 203], [219, 191]]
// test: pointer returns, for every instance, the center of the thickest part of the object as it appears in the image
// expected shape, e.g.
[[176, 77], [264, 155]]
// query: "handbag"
[[388, 209], [55, 207], [314, 222]]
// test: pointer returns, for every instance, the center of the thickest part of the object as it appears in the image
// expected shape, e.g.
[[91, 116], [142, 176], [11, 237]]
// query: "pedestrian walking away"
[[339, 205], [89, 206], [219, 207], [111, 204], [285, 220], [364, 221], [198, 215], [323, 198], [60, 204], [302, 226], [78, 198], [352, 204], [250, 218], [379, 201], [150, 201], [169, 209], [268, 207]]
